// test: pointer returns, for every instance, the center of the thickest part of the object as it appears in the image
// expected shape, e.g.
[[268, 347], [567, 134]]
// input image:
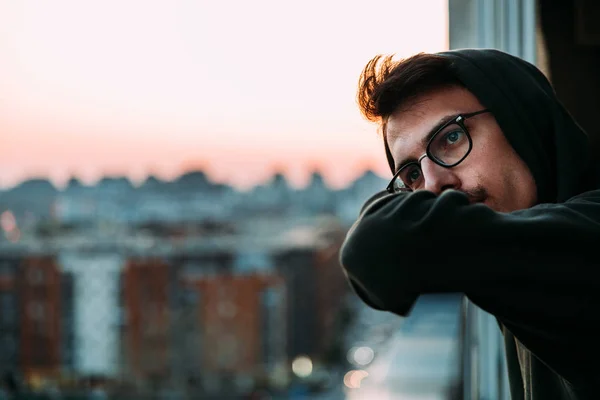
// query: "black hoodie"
[[533, 269]]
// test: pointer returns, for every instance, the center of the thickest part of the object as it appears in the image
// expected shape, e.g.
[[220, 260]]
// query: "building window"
[[189, 334], [35, 276], [36, 311], [272, 326], [6, 269], [7, 309], [9, 348]]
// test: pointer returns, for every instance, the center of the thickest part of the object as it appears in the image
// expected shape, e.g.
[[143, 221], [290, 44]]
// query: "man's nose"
[[437, 178]]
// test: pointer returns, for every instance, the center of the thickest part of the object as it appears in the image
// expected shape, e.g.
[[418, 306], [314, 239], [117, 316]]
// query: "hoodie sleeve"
[[535, 269]]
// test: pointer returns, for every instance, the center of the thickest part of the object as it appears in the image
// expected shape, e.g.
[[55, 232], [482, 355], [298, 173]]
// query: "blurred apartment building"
[[209, 317], [36, 311], [192, 283], [200, 317], [184, 321]]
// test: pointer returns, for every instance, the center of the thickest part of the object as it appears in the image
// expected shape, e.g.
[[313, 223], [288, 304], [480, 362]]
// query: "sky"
[[239, 88]]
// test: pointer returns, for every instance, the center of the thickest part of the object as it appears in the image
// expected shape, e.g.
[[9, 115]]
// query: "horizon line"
[[139, 182]]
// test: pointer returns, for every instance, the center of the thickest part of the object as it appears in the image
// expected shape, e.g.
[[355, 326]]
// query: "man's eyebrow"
[[425, 140]]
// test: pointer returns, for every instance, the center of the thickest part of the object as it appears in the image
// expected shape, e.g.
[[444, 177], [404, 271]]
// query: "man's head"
[[417, 102]]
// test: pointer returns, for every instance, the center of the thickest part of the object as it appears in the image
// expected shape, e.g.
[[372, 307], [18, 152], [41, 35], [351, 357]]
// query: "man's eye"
[[453, 137], [414, 175], [411, 175]]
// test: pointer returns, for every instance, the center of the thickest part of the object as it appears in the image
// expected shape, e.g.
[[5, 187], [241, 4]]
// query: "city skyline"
[[185, 173], [174, 87]]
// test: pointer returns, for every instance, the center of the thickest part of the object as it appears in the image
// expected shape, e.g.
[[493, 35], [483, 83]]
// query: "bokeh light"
[[302, 366]]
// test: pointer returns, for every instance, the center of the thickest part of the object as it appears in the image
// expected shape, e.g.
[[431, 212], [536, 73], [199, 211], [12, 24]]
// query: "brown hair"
[[385, 84]]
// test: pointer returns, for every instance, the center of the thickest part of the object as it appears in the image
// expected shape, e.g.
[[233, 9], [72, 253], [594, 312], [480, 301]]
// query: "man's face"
[[492, 173]]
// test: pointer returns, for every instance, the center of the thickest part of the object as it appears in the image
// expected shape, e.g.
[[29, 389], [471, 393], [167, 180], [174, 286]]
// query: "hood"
[[534, 121]]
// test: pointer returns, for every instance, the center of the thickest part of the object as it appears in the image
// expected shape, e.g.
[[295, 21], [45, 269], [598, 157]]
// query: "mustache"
[[476, 195]]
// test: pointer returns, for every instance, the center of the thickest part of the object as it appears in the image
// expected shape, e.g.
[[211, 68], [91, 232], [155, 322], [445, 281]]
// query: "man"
[[494, 195]]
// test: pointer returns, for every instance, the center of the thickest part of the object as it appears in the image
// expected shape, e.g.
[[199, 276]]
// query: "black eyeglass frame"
[[460, 121]]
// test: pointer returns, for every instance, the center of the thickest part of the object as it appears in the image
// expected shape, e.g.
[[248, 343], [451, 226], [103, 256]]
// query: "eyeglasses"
[[448, 147]]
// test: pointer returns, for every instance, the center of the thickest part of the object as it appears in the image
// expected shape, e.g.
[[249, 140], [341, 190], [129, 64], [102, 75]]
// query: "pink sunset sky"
[[238, 88]]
